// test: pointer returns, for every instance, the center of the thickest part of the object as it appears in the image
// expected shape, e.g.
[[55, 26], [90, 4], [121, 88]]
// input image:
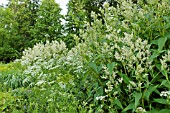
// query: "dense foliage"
[[48, 23], [119, 63], [7, 31], [27, 22]]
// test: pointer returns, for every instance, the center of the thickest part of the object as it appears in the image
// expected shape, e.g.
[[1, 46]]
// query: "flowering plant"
[[122, 64]]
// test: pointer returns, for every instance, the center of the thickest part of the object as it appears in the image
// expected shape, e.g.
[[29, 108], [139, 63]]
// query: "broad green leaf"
[[117, 102], [167, 35], [165, 83], [137, 98], [166, 18], [154, 42], [161, 43], [164, 111], [158, 66], [93, 66], [110, 66], [165, 73], [99, 68], [96, 68], [156, 77], [161, 101], [100, 91], [159, 111], [153, 111], [149, 91], [125, 78], [130, 106], [154, 55]]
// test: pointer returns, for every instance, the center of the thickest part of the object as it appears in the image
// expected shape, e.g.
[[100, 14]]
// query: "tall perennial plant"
[[121, 65]]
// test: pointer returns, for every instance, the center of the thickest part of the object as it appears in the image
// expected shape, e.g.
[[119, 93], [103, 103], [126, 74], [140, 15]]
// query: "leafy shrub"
[[126, 73], [43, 59], [8, 54], [120, 66], [8, 103], [45, 97], [49, 85]]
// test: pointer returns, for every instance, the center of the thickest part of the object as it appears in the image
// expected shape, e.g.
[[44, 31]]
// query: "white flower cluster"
[[49, 50], [129, 49], [45, 59], [134, 54], [165, 59], [74, 59], [140, 110], [165, 94], [127, 9], [101, 97], [41, 59], [124, 46]]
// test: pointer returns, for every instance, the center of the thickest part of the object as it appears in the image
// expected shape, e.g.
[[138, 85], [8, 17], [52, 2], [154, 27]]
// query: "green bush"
[[8, 54], [8, 103]]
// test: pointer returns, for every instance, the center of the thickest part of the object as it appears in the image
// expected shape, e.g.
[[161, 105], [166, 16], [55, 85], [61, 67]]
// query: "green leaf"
[[15, 111], [99, 68], [154, 42], [96, 68], [166, 18], [161, 101], [125, 78], [100, 91], [117, 102], [158, 66], [93, 66], [110, 66], [159, 111], [137, 98], [154, 55], [165, 73], [161, 42], [167, 35], [130, 106], [164, 111], [165, 83], [149, 91]]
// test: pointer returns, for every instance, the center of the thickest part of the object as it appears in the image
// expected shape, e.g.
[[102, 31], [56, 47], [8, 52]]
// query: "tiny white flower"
[[120, 80], [140, 110]]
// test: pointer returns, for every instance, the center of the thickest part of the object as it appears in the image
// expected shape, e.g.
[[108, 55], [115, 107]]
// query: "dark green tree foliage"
[[74, 20], [48, 22], [80, 11], [35, 21], [7, 35], [17, 18], [25, 14]]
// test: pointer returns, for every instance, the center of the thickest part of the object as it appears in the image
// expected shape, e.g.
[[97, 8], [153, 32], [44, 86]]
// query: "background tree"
[[79, 12], [48, 22], [16, 18], [75, 19], [7, 35], [26, 14]]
